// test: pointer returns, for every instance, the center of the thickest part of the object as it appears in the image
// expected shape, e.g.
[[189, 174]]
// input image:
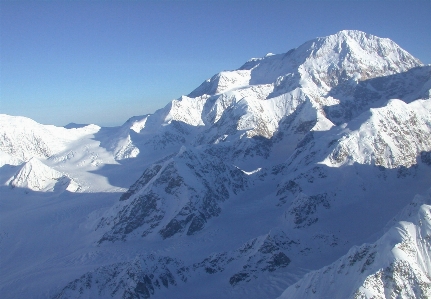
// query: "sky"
[[102, 62]]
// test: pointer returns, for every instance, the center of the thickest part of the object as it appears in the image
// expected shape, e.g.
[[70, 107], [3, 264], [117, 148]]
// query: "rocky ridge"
[[258, 176]]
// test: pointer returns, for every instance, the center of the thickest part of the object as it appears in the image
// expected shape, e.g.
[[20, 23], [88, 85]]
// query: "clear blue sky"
[[105, 61]]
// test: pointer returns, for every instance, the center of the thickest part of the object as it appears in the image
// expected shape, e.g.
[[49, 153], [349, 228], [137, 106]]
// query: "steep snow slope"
[[248, 120], [325, 61], [392, 136], [174, 196], [398, 265], [259, 129], [36, 176], [256, 99], [315, 207], [46, 153], [237, 190], [24, 138]]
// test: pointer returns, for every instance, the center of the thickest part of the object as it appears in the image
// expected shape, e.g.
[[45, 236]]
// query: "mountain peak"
[[37, 176], [352, 33], [341, 56], [259, 176]]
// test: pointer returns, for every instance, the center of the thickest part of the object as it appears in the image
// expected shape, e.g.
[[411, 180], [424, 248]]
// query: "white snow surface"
[[391, 136], [291, 176], [397, 265], [36, 176], [24, 138]]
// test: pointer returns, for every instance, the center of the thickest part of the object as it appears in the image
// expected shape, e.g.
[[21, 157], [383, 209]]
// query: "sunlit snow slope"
[[275, 179], [397, 265]]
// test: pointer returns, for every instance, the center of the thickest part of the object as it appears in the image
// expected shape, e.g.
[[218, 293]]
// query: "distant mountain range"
[[295, 176]]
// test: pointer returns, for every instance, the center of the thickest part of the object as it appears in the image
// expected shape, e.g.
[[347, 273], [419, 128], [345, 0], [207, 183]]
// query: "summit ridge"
[[294, 172]]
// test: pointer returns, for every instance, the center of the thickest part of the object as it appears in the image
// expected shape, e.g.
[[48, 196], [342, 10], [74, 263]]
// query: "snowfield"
[[305, 174]]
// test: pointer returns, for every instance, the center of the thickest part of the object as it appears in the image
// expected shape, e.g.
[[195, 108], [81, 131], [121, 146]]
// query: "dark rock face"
[[142, 211], [277, 260], [146, 177], [133, 280], [304, 207], [259, 255], [148, 274], [192, 180], [239, 277], [178, 196]]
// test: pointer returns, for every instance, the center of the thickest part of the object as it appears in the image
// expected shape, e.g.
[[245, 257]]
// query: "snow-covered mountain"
[[174, 196], [36, 176], [397, 265], [259, 176]]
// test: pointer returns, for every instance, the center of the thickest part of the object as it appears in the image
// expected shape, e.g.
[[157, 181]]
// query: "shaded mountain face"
[[396, 265], [258, 176], [174, 196], [237, 117]]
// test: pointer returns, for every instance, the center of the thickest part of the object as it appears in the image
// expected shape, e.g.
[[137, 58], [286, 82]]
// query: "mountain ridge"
[[257, 177]]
